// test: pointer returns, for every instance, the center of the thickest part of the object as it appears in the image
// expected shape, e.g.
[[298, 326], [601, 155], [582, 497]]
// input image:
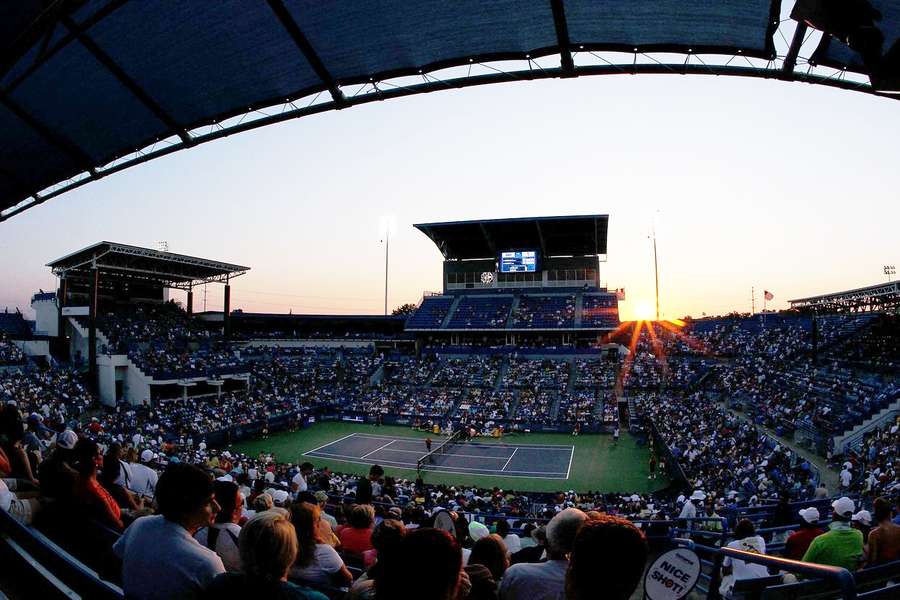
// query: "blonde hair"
[[268, 546]]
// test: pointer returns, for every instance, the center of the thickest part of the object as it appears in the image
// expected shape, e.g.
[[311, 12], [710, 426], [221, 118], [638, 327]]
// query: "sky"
[[786, 187]]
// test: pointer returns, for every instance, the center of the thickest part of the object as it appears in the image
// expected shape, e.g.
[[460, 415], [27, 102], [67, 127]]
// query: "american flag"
[[768, 295]]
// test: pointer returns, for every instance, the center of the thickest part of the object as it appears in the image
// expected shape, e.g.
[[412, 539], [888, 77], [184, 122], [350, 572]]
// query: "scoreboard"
[[518, 261]]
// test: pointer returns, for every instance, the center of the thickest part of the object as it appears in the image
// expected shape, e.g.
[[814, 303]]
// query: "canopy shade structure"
[[91, 87], [144, 264], [878, 297], [553, 236]]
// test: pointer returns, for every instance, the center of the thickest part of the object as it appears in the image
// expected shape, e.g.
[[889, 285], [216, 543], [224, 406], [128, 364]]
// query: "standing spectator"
[[846, 478], [356, 536], [427, 565], [368, 487], [884, 539], [547, 580], [268, 548], [222, 536], [317, 562], [798, 542], [609, 554], [842, 546], [186, 502]]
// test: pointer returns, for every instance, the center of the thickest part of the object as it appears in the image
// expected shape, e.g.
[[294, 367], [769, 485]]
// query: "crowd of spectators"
[[472, 371], [546, 374], [536, 312], [10, 353]]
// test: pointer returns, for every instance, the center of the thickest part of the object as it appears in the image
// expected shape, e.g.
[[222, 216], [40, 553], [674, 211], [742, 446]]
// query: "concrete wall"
[[34, 347], [46, 317]]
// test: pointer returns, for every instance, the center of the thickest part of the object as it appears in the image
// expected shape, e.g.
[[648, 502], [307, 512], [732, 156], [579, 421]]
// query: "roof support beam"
[[790, 60], [130, 84], [290, 25], [488, 239], [562, 38], [540, 233]]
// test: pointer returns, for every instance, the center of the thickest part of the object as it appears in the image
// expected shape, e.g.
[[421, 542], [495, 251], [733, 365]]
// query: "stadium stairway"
[[854, 437], [510, 320], [82, 330], [501, 374], [451, 312], [579, 305]]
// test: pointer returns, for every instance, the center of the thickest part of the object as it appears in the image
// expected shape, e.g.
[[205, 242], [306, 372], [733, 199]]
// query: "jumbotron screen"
[[518, 261]]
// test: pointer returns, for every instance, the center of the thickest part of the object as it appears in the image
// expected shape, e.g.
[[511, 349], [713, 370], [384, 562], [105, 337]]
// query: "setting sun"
[[643, 311]]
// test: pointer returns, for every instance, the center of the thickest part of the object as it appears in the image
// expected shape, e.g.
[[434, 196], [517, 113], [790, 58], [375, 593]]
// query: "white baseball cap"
[[843, 506], [67, 439], [864, 517], [698, 495], [147, 455], [810, 515]]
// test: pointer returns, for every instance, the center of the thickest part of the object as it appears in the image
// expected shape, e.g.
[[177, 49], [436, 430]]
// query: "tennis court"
[[534, 461]]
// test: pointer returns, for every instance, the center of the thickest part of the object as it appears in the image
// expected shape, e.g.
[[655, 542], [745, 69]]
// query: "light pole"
[[655, 270], [387, 252], [890, 271]]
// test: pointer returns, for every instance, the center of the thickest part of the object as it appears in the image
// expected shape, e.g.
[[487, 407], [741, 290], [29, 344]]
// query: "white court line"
[[330, 443], [512, 444], [506, 464], [571, 456], [461, 471], [377, 449]]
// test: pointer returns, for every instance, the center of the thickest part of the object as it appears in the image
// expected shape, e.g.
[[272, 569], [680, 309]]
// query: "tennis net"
[[428, 458]]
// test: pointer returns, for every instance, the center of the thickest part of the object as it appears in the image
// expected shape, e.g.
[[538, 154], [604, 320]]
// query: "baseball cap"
[[698, 495], [810, 515], [864, 517], [843, 506], [321, 496], [478, 530], [67, 439], [147, 455]]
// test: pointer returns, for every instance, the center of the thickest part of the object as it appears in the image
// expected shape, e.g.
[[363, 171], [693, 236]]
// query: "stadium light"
[[386, 225], [890, 271]]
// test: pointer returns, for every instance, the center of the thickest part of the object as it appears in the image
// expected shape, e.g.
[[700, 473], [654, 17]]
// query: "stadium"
[[508, 435]]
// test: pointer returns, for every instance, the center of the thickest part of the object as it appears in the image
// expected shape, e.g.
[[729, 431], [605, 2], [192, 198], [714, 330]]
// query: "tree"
[[404, 309]]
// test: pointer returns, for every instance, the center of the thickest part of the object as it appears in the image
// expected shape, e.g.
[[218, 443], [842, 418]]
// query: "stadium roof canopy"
[[91, 87], [144, 264], [881, 296], [553, 236]]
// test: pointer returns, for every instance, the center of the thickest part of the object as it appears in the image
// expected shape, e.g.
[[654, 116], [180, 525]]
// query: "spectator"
[[19, 498], [426, 566], [89, 494], [57, 475], [143, 478], [511, 541], [322, 501], [798, 542], [268, 548], [368, 487], [609, 554], [356, 536], [317, 562], [842, 546], [545, 581], [299, 483], [186, 502], [115, 477], [222, 536], [386, 539], [487, 564], [735, 569], [884, 539]]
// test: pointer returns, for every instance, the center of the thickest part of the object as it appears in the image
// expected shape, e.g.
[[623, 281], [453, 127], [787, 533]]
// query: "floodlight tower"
[[655, 270], [890, 271]]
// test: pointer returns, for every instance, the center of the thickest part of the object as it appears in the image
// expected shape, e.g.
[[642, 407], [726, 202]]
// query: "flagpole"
[[752, 301]]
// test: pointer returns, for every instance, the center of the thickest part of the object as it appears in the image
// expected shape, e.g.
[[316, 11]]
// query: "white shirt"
[[513, 543], [124, 478], [535, 581], [742, 569], [325, 563], [143, 480], [161, 561], [226, 547], [689, 511], [846, 477], [300, 481]]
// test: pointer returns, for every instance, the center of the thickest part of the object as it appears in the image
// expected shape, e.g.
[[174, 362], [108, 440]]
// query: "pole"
[[656, 273], [752, 301], [387, 249]]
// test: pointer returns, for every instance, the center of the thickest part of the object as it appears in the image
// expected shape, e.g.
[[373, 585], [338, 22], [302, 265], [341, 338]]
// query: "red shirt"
[[798, 542], [99, 501], [355, 540]]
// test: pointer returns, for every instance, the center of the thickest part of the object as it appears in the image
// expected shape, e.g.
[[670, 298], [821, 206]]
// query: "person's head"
[[305, 517], [561, 531], [229, 499], [842, 509], [882, 509], [376, 472], [609, 554], [185, 495], [387, 535], [361, 516], [86, 457], [263, 502], [502, 528], [491, 552], [306, 468], [425, 566], [744, 529], [268, 547], [809, 517], [322, 498]]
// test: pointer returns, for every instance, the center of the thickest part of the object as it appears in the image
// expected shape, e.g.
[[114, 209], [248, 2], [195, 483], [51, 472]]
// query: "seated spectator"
[[427, 565], [798, 542], [356, 536], [547, 580], [532, 552], [143, 478], [735, 569], [368, 487], [487, 564], [322, 501], [510, 540], [222, 536], [385, 538], [842, 546], [263, 502], [57, 475], [609, 554], [115, 477], [19, 498], [89, 494], [317, 562], [184, 569], [268, 548], [884, 539]]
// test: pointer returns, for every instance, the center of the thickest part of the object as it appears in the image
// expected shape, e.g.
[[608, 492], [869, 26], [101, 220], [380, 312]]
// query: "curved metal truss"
[[794, 45]]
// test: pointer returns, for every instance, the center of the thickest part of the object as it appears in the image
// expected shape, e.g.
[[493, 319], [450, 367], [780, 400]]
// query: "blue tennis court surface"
[[474, 458]]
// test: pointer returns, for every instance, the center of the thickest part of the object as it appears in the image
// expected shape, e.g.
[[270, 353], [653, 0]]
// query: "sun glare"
[[643, 311]]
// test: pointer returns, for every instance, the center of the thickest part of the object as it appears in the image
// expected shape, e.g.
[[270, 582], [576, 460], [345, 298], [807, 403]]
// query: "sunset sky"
[[787, 187]]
